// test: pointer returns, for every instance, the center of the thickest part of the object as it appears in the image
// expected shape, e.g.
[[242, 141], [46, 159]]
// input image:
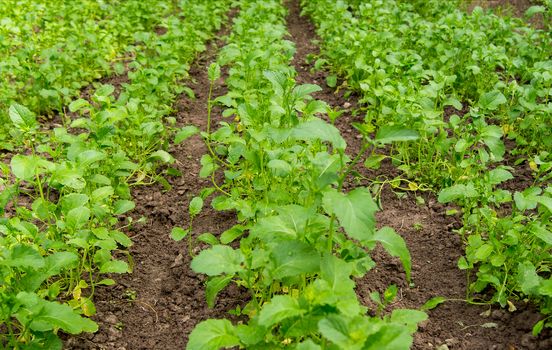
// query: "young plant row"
[[462, 82], [54, 49], [65, 191], [301, 240]]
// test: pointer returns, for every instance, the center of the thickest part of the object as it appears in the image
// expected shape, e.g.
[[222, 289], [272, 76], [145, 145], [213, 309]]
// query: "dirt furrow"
[[429, 235]]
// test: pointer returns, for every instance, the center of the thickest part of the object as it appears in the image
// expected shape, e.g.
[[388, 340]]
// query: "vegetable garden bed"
[[281, 191]]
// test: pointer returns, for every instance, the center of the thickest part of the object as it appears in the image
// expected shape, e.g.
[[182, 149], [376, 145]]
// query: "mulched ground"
[[158, 305]]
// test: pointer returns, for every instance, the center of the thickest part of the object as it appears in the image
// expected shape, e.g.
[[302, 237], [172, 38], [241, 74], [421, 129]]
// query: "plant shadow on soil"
[[158, 305]]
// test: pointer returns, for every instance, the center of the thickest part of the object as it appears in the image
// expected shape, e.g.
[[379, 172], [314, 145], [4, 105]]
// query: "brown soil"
[[433, 245]]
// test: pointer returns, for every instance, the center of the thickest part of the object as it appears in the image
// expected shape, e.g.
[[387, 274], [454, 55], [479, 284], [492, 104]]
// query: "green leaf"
[[292, 258], [185, 133], [409, 318], [302, 91], [331, 80], [492, 100], [213, 335], [213, 72], [24, 167], [484, 252], [527, 278], [217, 260], [537, 328], [213, 286], [389, 336], [279, 167], [162, 156], [78, 105], [114, 266], [374, 162], [394, 133], [23, 256], [355, 211], [279, 308], [72, 201], [395, 246], [317, 129], [47, 315], [546, 202], [231, 234], [123, 206], [196, 204], [433, 303], [178, 233], [22, 117], [455, 192], [336, 329], [77, 217], [59, 261], [499, 175], [533, 10]]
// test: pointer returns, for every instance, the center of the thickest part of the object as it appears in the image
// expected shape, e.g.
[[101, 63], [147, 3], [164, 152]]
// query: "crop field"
[[276, 174]]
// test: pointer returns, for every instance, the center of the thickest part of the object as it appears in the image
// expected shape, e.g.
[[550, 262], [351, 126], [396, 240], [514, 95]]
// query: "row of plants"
[[463, 84], [66, 191], [53, 49], [301, 240]]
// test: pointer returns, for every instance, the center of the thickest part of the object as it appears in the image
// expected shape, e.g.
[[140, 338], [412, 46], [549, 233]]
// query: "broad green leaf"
[[162, 156], [545, 202], [22, 117], [72, 201], [355, 211], [279, 308], [409, 318], [231, 234], [123, 206], [317, 129], [388, 134], [24, 167], [78, 105], [308, 345], [292, 258], [217, 260], [533, 10], [185, 133], [77, 217], [335, 328], [527, 278], [395, 246], [213, 286], [492, 100], [114, 266], [102, 193], [47, 315], [331, 81], [389, 337], [542, 233], [24, 256], [433, 303], [89, 157], [178, 233], [58, 261], [484, 252], [455, 192], [279, 167], [499, 175], [196, 204], [301, 91], [374, 162], [213, 335]]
